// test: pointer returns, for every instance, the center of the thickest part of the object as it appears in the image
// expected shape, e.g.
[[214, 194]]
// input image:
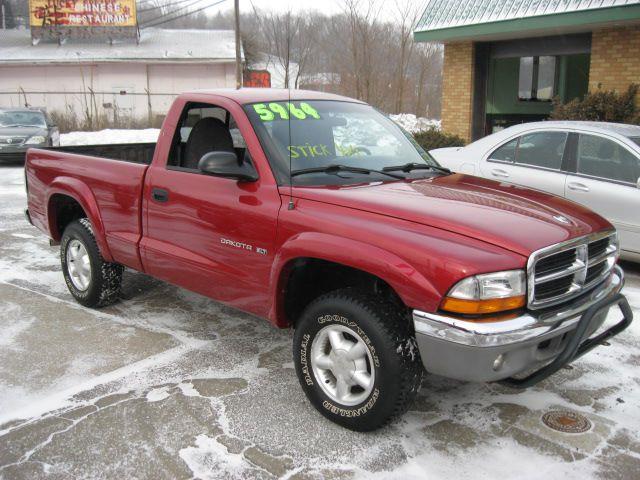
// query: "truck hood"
[[513, 217]]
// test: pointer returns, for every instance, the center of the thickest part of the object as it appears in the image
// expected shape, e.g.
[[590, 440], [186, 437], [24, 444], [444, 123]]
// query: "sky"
[[387, 7]]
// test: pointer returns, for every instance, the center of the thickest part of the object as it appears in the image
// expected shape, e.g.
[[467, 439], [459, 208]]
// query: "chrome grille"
[[566, 270], [13, 141]]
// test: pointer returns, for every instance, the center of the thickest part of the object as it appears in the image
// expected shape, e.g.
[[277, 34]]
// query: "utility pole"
[[238, 54], [3, 14]]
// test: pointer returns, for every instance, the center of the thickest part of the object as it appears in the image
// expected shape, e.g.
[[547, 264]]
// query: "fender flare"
[[413, 288], [81, 193]]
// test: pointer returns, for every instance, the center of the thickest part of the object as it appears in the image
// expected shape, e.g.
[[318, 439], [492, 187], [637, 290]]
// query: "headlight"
[[36, 140], [487, 293]]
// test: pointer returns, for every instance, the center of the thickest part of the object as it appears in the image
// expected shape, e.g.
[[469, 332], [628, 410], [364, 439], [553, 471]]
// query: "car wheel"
[[92, 281], [356, 359]]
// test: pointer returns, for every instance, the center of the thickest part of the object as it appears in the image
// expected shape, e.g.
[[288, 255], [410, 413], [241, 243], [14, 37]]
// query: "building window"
[[537, 79]]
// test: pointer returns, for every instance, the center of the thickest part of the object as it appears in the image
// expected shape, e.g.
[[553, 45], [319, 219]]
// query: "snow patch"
[[413, 124], [14, 324], [501, 459], [408, 121], [157, 394], [188, 390], [211, 460], [149, 135]]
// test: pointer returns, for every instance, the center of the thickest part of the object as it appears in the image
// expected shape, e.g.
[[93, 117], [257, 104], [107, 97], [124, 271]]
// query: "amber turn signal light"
[[475, 307]]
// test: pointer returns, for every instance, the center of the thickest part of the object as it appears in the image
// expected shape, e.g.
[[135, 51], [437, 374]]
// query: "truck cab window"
[[204, 129]]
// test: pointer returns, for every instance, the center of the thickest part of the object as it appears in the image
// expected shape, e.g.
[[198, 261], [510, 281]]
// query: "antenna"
[[291, 204]]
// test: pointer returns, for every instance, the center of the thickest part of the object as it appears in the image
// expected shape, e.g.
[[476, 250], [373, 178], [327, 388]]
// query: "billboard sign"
[[86, 17], [256, 79]]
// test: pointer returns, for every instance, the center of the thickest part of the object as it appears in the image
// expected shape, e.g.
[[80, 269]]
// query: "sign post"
[[62, 19]]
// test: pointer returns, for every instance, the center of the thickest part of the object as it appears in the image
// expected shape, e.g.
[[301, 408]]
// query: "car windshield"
[[22, 119], [324, 134], [636, 140]]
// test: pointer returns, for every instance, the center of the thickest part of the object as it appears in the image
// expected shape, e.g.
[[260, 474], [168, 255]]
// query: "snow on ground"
[[413, 124], [149, 135], [169, 381], [408, 121]]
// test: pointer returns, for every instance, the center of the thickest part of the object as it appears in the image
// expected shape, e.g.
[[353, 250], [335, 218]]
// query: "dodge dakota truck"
[[318, 213]]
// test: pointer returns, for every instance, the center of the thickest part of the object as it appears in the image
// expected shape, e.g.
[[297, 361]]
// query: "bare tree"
[[361, 16], [407, 14]]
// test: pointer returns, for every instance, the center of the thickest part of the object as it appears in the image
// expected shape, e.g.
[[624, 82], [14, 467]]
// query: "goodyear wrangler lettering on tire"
[[352, 354], [356, 327], [303, 359], [343, 412]]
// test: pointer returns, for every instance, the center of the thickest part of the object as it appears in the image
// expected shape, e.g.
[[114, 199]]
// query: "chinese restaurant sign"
[[116, 18]]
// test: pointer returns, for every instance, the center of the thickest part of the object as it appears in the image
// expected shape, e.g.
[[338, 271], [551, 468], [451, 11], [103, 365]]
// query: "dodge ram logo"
[[9, 140]]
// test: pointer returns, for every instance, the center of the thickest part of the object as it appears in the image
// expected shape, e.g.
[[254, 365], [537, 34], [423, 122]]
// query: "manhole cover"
[[566, 422]]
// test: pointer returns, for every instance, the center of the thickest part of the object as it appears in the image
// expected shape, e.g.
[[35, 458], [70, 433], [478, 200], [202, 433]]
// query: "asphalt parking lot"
[[168, 384]]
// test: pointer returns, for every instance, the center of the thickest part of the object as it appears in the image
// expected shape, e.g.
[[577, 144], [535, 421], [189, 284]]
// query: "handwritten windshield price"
[[285, 111]]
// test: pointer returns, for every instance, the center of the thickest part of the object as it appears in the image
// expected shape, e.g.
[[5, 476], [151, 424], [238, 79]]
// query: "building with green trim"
[[504, 60]]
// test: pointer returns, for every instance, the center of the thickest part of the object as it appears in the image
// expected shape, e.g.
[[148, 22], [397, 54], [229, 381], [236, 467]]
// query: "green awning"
[[451, 20]]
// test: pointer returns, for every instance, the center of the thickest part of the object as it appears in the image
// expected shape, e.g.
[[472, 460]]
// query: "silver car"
[[596, 164]]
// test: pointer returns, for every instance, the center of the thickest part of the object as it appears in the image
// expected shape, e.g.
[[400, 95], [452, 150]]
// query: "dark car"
[[22, 128]]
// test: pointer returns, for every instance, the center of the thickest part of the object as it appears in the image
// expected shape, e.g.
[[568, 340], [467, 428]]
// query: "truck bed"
[[110, 179], [128, 152]]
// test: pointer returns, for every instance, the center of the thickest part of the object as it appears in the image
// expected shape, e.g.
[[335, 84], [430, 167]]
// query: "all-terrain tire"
[[392, 356], [105, 277]]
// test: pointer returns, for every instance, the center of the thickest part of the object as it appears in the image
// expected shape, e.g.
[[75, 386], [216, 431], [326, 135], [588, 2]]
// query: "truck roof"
[[245, 96]]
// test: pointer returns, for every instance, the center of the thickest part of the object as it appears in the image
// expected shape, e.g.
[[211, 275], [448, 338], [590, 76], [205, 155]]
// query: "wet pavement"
[[168, 384]]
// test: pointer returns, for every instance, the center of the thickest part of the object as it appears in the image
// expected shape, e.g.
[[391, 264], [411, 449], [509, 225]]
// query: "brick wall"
[[615, 58], [457, 88]]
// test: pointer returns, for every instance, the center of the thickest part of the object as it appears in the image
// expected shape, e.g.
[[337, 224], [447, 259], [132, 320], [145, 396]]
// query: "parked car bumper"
[[534, 344], [13, 155]]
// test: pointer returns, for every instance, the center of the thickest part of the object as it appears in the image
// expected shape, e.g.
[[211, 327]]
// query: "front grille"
[[554, 288], [12, 141], [555, 263], [564, 271]]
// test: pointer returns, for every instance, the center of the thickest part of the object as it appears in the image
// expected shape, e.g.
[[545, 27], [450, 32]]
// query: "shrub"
[[69, 121], [433, 138], [601, 105]]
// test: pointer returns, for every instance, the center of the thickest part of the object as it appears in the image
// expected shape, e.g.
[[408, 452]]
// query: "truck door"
[[210, 234]]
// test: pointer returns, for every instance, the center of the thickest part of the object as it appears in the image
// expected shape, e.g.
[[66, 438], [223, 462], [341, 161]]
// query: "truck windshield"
[[22, 119], [319, 135]]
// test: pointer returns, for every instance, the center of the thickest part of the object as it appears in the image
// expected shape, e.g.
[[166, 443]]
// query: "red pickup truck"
[[318, 213]]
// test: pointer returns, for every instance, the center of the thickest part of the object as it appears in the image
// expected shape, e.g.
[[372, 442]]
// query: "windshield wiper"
[[18, 125], [408, 167], [332, 169]]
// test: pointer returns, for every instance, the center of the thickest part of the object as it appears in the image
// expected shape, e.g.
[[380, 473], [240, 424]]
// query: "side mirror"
[[226, 164]]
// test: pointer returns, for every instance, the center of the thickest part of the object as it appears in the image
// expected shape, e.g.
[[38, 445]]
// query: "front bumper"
[[12, 155], [499, 350]]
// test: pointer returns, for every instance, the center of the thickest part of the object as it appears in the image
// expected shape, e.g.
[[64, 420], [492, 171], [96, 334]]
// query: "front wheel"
[[357, 359], [92, 281]]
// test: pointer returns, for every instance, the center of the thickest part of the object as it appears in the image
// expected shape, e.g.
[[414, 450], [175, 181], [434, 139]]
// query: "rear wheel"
[[356, 359], [92, 281]]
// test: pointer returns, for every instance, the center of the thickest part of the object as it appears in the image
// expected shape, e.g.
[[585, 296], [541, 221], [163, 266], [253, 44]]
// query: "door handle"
[[579, 187], [497, 172], [160, 195]]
